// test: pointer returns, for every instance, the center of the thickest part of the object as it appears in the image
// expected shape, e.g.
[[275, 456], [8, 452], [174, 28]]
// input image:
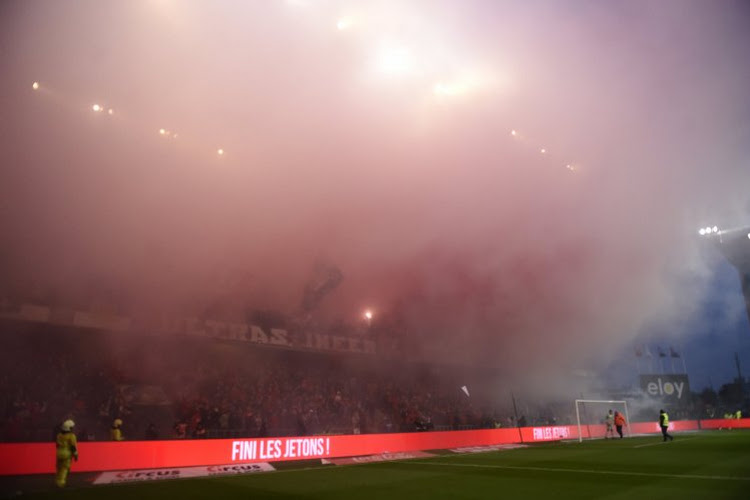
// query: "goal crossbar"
[[578, 413]]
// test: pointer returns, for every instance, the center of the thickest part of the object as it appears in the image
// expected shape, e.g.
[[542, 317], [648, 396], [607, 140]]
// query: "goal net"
[[592, 417]]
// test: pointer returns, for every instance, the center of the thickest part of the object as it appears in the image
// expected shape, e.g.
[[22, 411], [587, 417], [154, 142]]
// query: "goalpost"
[[580, 402]]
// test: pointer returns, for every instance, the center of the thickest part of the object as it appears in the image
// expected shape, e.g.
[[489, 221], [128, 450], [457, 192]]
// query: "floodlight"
[[702, 232], [513, 133], [220, 152], [110, 111], [715, 229], [96, 108], [35, 85], [162, 131], [394, 60]]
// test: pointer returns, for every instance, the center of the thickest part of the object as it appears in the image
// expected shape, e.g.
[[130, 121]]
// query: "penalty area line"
[[584, 471]]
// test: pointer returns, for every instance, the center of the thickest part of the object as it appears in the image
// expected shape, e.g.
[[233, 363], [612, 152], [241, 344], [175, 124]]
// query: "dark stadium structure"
[[735, 246]]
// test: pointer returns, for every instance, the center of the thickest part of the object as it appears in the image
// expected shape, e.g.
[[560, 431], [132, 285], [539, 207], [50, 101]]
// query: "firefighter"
[[66, 448], [115, 433]]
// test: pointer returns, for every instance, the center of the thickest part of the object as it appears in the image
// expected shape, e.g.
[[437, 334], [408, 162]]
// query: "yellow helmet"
[[68, 425], [117, 422]]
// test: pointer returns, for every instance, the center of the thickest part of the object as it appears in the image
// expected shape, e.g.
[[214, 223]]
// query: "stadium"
[[331, 249]]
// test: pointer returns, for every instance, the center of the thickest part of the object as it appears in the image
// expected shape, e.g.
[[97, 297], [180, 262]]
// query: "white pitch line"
[[586, 471], [664, 442]]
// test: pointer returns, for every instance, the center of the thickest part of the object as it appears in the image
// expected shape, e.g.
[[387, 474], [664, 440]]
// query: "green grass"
[[711, 465]]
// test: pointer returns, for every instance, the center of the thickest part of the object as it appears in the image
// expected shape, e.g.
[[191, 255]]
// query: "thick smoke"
[[482, 246]]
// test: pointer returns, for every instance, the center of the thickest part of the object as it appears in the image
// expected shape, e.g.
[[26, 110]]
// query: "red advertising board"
[[726, 423], [39, 458], [653, 427]]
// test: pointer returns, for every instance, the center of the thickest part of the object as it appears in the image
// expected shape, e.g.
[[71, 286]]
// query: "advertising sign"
[[230, 456], [671, 388], [129, 476]]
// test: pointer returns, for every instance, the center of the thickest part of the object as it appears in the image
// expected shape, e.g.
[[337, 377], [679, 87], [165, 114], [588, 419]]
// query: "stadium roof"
[[735, 245]]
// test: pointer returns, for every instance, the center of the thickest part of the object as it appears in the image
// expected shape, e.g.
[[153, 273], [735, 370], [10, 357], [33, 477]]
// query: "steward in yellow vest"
[[664, 424]]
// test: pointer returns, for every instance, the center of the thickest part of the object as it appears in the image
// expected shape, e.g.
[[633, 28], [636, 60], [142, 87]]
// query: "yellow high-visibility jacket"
[[67, 445]]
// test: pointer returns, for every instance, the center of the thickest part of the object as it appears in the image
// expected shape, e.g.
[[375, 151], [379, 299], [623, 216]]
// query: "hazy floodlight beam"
[[394, 60], [344, 23]]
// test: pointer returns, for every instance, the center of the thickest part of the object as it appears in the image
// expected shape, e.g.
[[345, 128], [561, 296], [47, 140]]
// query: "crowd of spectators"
[[304, 394], [47, 378], [212, 389], [188, 388]]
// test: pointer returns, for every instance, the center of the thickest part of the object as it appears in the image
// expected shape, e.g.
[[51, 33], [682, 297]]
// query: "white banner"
[[101, 321], [129, 476], [488, 448], [383, 457], [224, 330], [31, 312]]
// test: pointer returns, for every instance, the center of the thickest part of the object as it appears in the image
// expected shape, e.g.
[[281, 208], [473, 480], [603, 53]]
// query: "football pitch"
[[711, 465]]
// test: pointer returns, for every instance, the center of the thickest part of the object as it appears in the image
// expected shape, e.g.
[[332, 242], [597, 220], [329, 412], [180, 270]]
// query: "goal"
[[591, 414]]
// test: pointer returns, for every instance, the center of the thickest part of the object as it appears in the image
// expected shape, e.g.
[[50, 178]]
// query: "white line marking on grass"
[[586, 471], [650, 444], [664, 442]]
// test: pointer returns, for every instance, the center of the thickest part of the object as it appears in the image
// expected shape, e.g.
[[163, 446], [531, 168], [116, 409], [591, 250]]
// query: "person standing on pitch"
[[619, 422], [664, 424], [115, 433], [66, 448], [610, 421]]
